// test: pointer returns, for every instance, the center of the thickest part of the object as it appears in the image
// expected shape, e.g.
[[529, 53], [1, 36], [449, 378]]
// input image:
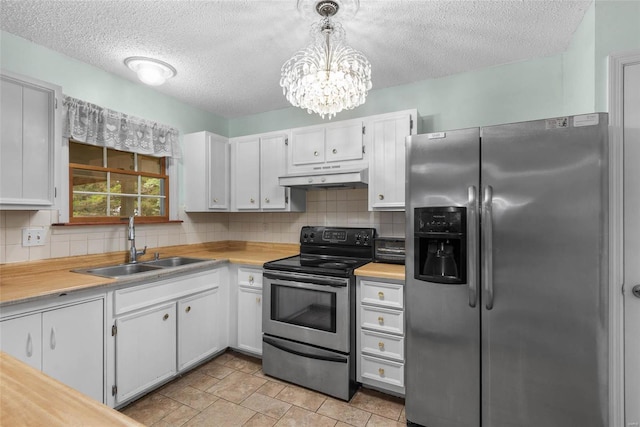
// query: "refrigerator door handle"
[[487, 239], [472, 221]]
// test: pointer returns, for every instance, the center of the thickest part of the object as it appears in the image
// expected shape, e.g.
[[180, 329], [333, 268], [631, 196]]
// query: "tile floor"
[[231, 390]]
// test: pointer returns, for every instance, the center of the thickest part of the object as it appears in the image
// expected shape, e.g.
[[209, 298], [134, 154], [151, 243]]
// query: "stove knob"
[[313, 235], [305, 235]]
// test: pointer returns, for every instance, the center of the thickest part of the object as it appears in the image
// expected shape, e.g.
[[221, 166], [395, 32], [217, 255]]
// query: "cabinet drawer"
[[382, 294], [382, 345], [250, 277], [382, 319], [381, 370], [145, 295]]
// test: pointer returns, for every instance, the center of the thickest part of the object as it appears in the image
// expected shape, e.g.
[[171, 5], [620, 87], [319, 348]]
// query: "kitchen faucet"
[[133, 253]]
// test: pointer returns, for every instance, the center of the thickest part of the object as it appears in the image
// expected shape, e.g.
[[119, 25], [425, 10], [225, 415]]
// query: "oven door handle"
[[315, 280], [308, 355]]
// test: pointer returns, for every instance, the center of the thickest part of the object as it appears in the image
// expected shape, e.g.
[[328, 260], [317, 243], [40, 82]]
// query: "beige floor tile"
[[378, 403], [299, 417], [378, 421], [151, 408], [342, 411], [261, 374], [237, 386], [215, 370], [270, 389], [221, 414], [180, 416], [341, 424], [199, 380], [260, 420], [161, 423], [301, 397], [266, 405], [243, 363], [224, 358], [192, 397], [403, 416]]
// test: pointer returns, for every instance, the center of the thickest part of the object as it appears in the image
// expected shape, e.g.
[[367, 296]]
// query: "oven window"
[[304, 307]]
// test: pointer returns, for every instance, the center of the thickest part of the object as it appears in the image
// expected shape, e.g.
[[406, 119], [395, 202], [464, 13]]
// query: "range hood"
[[322, 179]]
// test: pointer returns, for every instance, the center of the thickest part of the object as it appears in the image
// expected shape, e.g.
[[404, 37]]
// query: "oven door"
[[307, 308]]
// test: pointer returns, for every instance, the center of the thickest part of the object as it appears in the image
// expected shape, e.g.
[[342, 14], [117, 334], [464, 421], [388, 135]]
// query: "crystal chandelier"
[[327, 76]]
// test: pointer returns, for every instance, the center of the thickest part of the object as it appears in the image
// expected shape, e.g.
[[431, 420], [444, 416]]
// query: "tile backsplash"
[[324, 207]]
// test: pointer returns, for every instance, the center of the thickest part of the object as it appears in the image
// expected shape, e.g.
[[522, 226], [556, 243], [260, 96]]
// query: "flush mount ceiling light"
[[150, 71], [327, 76]]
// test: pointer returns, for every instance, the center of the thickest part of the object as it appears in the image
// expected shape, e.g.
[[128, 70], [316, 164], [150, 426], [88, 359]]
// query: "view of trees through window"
[[107, 184]]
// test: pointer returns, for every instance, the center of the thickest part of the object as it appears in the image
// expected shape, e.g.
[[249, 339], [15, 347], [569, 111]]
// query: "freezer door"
[[443, 350], [544, 340]]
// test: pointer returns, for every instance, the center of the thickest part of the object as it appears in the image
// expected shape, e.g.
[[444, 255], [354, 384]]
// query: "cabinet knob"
[[381, 372], [215, 200], [165, 317], [250, 279], [381, 345], [381, 295], [323, 179], [252, 200], [315, 153], [334, 151], [381, 196], [258, 300], [310, 180], [381, 320], [266, 200], [188, 309]]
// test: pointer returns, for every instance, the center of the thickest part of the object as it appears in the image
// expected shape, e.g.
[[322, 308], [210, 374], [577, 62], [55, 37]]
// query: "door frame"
[[617, 62]]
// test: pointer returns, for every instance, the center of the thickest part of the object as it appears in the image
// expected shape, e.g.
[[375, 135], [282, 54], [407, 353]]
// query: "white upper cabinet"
[[206, 172], [256, 163], [385, 135], [30, 138], [329, 146]]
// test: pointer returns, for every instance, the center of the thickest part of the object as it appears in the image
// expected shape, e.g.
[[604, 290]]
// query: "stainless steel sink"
[[123, 270], [120, 270], [175, 261]]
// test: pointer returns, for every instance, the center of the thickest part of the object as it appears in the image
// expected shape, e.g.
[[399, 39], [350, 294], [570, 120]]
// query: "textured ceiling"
[[228, 53]]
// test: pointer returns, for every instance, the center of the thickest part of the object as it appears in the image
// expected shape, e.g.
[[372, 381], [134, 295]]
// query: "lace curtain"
[[92, 124]]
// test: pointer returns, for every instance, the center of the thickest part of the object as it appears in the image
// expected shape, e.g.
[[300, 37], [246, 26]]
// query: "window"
[[107, 184]]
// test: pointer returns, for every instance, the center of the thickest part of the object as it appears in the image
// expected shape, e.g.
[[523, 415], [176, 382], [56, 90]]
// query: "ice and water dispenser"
[[440, 245]]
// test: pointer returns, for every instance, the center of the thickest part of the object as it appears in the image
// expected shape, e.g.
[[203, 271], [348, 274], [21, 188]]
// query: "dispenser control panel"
[[440, 220]]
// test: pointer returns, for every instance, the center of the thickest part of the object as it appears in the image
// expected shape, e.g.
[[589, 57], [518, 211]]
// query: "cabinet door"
[[218, 172], [198, 327], [344, 141], [73, 347], [145, 350], [21, 338], [273, 163], [307, 146], [246, 173], [387, 172], [27, 143], [250, 319]]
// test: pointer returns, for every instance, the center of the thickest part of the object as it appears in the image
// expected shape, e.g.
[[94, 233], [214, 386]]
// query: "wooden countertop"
[[31, 398], [20, 282], [381, 270]]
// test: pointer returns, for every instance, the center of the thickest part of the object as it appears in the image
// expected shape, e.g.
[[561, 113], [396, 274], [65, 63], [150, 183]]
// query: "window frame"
[[165, 165]]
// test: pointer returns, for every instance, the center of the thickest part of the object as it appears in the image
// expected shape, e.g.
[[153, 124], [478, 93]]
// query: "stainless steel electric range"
[[308, 310]]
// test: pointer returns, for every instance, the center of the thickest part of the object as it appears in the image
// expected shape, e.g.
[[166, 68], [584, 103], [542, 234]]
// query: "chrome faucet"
[[133, 253]]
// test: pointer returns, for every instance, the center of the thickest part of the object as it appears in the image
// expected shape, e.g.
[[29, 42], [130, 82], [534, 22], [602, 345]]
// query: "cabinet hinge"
[[114, 390], [286, 141], [55, 103], [364, 130], [410, 124], [364, 149], [286, 199], [55, 192], [114, 330]]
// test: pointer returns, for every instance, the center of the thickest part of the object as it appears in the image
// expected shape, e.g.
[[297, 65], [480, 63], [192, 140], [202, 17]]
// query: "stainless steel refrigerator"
[[506, 275]]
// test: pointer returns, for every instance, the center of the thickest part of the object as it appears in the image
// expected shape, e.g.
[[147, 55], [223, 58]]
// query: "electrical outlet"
[[33, 237]]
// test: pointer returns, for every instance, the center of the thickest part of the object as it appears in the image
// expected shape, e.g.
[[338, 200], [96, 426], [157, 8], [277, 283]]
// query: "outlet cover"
[[33, 237]]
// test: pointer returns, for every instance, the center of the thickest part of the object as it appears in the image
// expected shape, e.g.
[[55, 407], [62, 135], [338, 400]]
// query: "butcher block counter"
[[31, 398], [381, 271], [21, 282]]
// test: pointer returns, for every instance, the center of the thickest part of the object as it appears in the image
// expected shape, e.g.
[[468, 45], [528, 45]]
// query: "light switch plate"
[[33, 237]]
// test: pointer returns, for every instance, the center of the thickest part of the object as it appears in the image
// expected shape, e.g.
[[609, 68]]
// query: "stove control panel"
[[337, 236]]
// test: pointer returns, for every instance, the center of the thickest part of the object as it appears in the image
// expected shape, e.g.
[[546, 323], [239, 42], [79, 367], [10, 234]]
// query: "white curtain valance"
[[92, 124]]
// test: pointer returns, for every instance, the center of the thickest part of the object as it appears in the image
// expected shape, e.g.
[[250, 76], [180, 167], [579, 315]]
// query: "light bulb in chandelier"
[[327, 76]]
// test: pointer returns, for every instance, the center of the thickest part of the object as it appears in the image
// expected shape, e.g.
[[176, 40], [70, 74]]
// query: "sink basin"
[[175, 261], [120, 270]]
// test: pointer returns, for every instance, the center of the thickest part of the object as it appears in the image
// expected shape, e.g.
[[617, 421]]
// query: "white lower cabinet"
[[66, 343], [164, 327], [250, 310], [380, 334]]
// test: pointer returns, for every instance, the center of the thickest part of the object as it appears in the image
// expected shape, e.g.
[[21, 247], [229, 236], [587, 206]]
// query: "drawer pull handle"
[[165, 317], [381, 320], [188, 309], [381, 372], [52, 339], [381, 345], [29, 345], [258, 299], [381, 295]]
